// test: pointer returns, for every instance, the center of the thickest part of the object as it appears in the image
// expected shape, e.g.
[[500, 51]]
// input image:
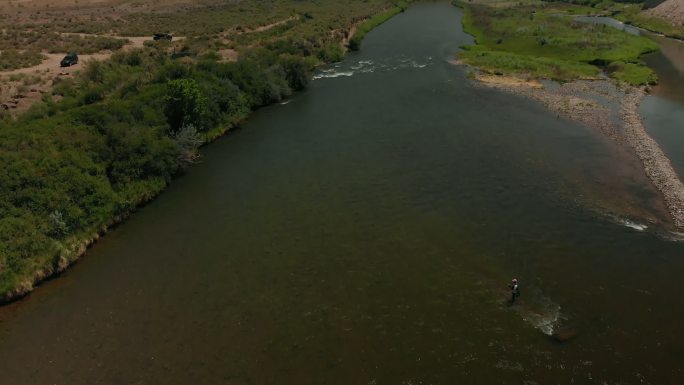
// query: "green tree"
[[297, 71], [186, 105]]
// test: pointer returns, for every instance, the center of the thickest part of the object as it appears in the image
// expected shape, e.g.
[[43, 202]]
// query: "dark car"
[[162, 36], [69, 60]]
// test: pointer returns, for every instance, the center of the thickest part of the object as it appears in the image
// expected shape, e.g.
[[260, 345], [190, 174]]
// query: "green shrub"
[[186, 105], [115, 134]]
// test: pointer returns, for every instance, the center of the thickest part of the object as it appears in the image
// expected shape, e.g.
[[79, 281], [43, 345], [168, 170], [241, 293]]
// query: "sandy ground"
[[670, 10], [350, 34], [272, 25], [16, 96], [612, 111], [229, 55], [509, 81]]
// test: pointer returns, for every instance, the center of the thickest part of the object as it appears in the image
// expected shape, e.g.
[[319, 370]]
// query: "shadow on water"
[[365, 233]]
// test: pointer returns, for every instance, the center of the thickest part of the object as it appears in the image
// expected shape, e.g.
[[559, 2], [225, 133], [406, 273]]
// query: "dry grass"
[[36, 34]]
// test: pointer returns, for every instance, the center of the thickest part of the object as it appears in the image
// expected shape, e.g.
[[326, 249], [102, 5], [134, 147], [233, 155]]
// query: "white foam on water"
[[369, 66], [632, 225], [286, 102], [509, 365], [545, 317], [332, 74], [673, 236]]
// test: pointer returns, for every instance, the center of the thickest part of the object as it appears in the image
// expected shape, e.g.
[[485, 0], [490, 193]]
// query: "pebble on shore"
[[613, 111]]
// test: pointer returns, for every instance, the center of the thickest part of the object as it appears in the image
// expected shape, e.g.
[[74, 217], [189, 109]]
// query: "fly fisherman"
[[515, 290]]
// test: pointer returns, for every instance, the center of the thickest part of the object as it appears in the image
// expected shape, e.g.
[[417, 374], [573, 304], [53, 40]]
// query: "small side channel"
[[663, 110]]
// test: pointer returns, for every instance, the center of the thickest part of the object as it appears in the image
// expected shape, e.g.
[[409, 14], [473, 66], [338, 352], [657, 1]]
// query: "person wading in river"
[[515, 290]]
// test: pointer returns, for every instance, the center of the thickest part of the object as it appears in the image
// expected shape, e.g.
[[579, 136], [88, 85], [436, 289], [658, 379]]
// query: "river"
[[663, 110], [364, 232]]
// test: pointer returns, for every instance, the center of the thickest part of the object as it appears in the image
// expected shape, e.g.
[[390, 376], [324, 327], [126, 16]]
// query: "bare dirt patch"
[[670, 10], [509, 81], [228, 55], [16, 96], [21, 88]]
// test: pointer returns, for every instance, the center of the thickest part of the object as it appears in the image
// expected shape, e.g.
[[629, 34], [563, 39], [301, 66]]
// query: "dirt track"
[[15, 101]]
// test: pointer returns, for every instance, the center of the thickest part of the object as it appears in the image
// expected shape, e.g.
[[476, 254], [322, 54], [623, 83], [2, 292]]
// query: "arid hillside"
[[670, 10], [33, 7]]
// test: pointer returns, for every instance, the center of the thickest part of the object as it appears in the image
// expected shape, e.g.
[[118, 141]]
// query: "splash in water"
[[632, 225], [369, 66], [542, 313]]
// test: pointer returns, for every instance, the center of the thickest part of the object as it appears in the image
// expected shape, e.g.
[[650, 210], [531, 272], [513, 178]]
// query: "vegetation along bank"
[[112, 136], [602, 79]]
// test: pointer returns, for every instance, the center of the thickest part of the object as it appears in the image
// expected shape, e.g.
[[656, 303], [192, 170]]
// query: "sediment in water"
[[614, 112]]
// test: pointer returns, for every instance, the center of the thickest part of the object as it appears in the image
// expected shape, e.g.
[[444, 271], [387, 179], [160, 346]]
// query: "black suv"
[[162, 36], [69, 60]]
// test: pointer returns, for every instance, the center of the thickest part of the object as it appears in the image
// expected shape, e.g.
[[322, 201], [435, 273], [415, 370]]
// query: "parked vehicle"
[[162, 36], [69, 60]]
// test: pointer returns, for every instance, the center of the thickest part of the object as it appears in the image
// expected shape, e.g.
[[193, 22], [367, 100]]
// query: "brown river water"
[[364, 232]]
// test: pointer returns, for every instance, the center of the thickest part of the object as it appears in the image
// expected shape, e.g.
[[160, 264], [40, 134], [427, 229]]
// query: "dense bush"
[[113, 136], [186, 105], [117, 137]]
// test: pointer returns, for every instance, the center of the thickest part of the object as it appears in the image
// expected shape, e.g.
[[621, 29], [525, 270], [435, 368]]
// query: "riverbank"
[[611, 110], [517, 45], [359, 31], [536, 40], [113, 137]]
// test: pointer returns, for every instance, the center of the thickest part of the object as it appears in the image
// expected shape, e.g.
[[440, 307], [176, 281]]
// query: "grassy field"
[[535, 39], [113, 135]]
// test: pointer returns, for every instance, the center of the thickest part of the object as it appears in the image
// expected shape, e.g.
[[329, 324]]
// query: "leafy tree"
[[186, 105], [297, 71]]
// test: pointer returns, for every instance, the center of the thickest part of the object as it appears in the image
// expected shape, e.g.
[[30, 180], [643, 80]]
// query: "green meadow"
[[540, 40]]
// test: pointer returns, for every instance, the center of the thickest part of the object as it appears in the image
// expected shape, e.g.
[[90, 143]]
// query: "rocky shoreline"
[[613, 111], [657, 166]]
